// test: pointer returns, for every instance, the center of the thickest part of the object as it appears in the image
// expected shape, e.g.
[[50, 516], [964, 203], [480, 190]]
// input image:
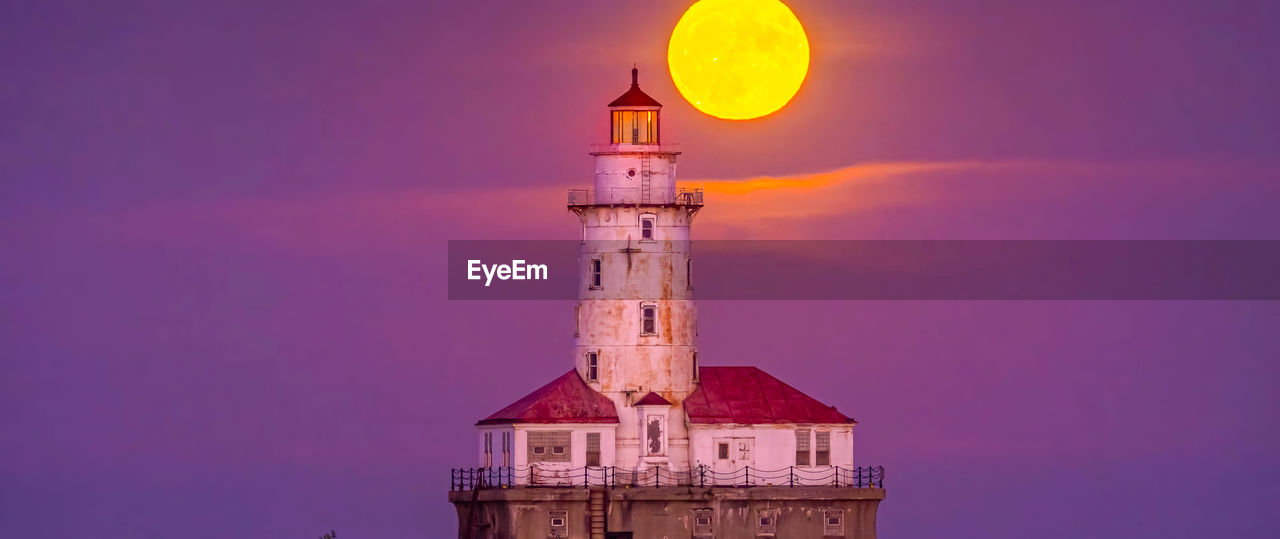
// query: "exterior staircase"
[[595, 506]]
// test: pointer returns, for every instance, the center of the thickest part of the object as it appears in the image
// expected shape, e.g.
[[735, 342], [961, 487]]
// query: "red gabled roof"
[[747, 395], [566, 399], [653, 399], [634, 97]]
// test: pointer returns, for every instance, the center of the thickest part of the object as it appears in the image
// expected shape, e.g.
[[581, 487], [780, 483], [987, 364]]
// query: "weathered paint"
[[669, 511], [636, 272]]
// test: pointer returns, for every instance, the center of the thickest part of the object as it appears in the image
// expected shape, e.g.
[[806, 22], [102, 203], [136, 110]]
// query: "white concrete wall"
[[615, 185], [547, 471], [497, 431], [774, 446]]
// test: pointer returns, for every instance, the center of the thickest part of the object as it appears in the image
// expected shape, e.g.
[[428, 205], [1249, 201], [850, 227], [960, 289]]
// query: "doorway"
[[733, 455]]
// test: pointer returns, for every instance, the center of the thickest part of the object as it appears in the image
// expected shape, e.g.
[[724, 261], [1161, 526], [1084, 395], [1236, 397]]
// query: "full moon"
[[738, 59]]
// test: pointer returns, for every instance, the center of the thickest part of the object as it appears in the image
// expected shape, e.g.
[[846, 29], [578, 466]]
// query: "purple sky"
[[222, 240]]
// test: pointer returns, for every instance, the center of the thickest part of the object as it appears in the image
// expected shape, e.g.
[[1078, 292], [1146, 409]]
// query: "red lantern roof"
[[634, 97]]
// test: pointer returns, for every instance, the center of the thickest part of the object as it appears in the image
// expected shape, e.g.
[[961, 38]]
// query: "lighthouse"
[[636, 322], [638, 438]]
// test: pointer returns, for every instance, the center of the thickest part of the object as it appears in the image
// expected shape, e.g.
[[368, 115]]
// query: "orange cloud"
[[749, 202]]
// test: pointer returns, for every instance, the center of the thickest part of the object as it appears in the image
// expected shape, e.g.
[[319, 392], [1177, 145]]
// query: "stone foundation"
[[673, 512]]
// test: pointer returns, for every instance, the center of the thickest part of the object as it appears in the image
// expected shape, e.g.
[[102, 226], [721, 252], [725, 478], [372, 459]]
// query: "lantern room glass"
[[634, 127]]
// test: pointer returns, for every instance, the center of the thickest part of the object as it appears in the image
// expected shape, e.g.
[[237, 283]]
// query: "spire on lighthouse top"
[[634, 97]]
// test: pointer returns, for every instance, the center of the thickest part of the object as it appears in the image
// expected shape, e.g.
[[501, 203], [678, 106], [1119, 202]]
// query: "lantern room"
[[633, 116]]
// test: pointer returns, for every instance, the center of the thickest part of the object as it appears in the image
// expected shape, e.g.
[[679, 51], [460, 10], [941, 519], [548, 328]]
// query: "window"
[[655, 435], [577, 319], [695, 366], [593, 449], [722, 451], [648, 319], [488, 449], [559, 523], [506, 449], [802, 447], [634, 127], [767, 522], [823, 452], [646, 227], [593, 366], [549, 446], [596, 280], [688, 274], [833, 522], [701, 522]]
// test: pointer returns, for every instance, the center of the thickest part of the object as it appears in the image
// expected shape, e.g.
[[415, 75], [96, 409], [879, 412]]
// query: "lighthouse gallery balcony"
[[620, 196]]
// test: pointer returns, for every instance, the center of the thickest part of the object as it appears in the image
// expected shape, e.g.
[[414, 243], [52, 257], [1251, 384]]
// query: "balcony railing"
[[670, 147], [659, 476], [681, 196]]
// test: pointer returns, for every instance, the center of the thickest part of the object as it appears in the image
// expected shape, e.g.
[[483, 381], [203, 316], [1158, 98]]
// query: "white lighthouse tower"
[[636, 320]]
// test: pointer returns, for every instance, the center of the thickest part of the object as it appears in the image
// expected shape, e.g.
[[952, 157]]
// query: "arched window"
[[648, 224], [648, 319]]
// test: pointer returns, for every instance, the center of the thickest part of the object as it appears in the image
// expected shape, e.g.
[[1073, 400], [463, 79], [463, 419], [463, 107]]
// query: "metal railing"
[[661, 476], [681, 196], [669, 147]]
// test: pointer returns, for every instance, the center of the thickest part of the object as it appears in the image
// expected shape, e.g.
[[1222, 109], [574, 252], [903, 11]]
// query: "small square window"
[[702, 523], [833, 520], [766, 522], [557, 450], [559, 523], [647, 226], [722, 451], [539, 450]]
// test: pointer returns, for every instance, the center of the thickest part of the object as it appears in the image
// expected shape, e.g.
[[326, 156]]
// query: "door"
[[733, 456]]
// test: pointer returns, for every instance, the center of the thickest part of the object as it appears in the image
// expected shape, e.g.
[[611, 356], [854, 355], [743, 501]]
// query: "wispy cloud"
[[990, 199], [747, 202]]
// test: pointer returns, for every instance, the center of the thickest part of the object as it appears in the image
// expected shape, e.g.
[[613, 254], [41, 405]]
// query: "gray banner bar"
[[900, 270]]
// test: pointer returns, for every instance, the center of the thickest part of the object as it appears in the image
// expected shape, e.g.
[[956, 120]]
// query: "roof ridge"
[[750, 395], [565, 399]]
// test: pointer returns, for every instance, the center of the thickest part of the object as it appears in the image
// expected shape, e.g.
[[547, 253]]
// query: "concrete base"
[[672, 512]]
